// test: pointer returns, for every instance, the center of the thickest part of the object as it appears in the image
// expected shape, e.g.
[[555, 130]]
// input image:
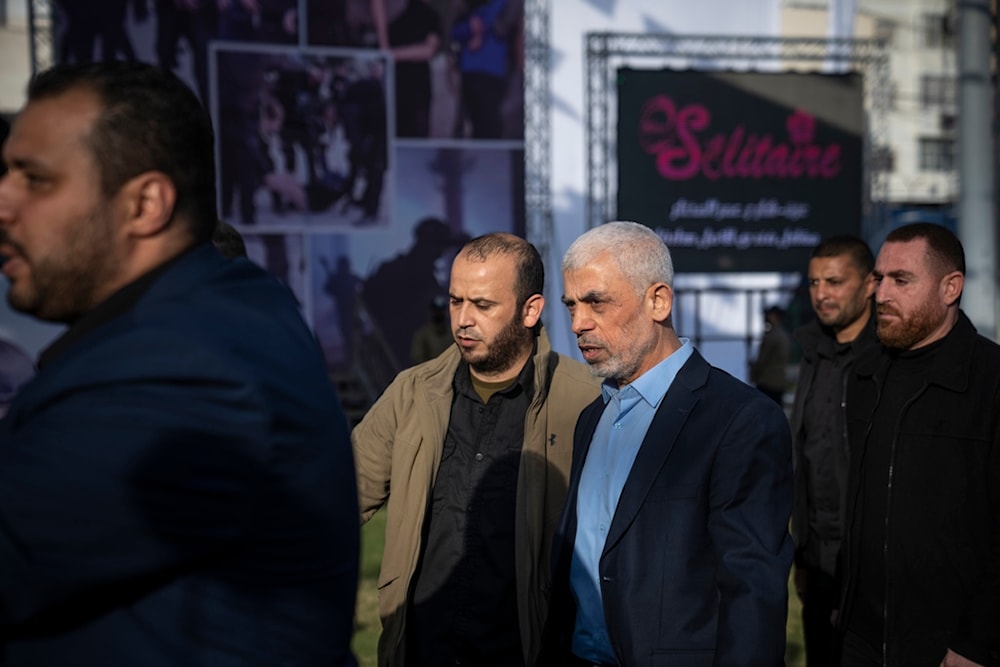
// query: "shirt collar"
[[652, 385]]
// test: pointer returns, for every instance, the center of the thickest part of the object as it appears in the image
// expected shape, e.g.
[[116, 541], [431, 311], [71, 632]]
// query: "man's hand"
[[952, 659]]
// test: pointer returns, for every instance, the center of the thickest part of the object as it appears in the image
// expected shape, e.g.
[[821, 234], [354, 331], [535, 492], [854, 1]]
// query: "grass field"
[[367, 624]]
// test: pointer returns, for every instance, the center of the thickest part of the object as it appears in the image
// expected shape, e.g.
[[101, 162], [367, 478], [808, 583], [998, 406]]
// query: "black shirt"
[[824, 450], [413, 26], [464, 602]]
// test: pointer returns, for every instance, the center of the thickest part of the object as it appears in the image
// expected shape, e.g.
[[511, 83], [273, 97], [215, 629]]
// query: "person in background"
[[176, 483], [768, 371], [673, 546], [484, 66], [435, 336], [920, 560], [841, 290], [469, 454], [415, 36]]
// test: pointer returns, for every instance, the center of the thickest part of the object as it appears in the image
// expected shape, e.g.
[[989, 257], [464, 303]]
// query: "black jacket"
[[942, 523], [831, 470]]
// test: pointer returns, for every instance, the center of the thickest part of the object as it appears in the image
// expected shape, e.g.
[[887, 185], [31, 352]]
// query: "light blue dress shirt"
[[627, 415]]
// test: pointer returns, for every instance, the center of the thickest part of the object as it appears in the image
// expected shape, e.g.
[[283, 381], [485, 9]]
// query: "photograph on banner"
[[303, 137], [740, 171], [459, 63], [285, 257], [172, 34], [335, 315], [451, 194]]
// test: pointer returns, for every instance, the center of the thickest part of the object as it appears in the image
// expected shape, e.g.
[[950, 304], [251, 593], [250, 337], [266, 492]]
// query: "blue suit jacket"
[[695, 567], [177, 487]]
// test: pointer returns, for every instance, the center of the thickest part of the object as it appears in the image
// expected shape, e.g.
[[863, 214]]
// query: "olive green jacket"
[[397, 449]]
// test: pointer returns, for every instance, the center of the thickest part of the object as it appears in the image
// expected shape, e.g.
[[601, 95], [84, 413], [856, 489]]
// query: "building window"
[[937, 91], [937, 154], [885, 30], [883, 159], [938, 31]]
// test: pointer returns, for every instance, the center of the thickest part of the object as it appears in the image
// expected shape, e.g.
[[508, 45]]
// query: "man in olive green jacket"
[[470, 453]]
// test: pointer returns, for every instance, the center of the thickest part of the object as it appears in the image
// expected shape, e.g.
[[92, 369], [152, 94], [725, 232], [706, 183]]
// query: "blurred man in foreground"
[[176, 484]]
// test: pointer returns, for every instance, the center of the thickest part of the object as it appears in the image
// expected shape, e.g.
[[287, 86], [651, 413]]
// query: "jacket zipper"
[[888, 508]]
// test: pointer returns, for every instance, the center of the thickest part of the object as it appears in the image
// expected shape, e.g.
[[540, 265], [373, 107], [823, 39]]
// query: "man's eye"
[[34, 180]]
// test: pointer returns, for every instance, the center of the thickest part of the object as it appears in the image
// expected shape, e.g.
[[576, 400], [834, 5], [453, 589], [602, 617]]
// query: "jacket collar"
[[438, 373], [810, 335], [948, 369]]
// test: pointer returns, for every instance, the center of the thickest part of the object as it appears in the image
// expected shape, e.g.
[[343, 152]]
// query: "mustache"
[[5, 240], [466, 333], [886, 310]]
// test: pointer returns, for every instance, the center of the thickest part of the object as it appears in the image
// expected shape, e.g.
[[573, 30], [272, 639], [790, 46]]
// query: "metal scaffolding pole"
[[976, 206], [41, 49]]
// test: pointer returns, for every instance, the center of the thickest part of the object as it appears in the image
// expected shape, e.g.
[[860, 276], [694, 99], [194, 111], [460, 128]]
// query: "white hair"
[[638, 252]]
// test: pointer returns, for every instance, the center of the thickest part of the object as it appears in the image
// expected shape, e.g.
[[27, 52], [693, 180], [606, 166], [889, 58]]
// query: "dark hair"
[[855, 248], [944, 247], [149, 121], [530, 270], [228, 240]]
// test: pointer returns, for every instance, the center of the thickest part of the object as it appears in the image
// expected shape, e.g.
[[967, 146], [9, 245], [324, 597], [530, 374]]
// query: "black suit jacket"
[[177, 487], [695, 567]]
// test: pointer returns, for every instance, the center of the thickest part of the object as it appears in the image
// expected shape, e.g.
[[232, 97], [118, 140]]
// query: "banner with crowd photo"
[[740, 171], [359, 143]]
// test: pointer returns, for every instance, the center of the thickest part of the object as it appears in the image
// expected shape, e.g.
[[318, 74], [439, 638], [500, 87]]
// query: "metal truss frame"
[[537, 125], [607, 51], [41, 39]]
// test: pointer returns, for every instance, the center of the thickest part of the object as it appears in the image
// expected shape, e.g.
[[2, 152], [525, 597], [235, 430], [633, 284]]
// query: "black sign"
[[740, 171]]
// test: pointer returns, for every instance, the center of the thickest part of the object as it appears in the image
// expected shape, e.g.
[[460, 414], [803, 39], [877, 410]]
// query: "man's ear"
[[661, 301], [149, 200], [951, 287], [532, 310], [869, 283]]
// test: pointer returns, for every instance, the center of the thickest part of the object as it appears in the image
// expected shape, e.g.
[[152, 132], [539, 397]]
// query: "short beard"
[[65, 287], [505, 350], [906, 333], [624, 366]]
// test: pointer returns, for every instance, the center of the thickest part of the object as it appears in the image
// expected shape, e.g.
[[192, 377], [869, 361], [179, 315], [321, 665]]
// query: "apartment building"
[[916, 149]]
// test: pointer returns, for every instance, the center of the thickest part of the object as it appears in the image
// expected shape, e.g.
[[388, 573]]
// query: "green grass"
[[367, 626]]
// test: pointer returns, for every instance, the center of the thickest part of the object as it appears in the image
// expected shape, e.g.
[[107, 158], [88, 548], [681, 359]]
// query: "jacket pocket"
[[386, 579]]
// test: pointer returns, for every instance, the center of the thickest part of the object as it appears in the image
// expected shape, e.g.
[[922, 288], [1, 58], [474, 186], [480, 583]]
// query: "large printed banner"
[[360, 143], [740, 171]]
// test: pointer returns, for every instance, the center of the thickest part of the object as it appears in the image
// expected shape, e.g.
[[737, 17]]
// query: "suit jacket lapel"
[[585, 428], [658, 443]]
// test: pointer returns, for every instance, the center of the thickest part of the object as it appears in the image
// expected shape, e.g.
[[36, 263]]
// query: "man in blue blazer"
[[673, 547], [176, 483]]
